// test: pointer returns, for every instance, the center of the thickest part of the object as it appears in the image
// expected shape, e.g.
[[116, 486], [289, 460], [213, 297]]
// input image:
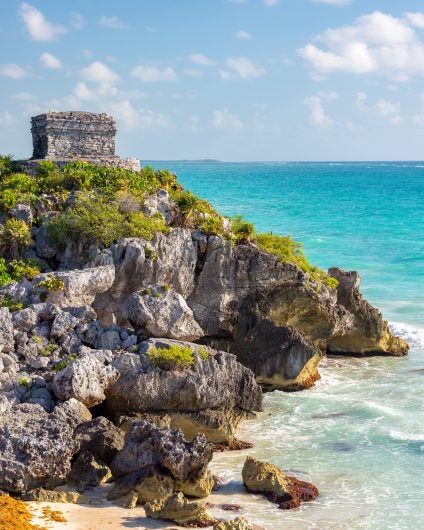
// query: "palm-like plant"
[[15, 237]]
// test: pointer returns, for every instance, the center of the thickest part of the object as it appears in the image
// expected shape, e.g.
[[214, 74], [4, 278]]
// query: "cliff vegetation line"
[[83, 202]]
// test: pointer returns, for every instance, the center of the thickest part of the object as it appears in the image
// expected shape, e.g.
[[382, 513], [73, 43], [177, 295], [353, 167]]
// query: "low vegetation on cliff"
[[89, 204]]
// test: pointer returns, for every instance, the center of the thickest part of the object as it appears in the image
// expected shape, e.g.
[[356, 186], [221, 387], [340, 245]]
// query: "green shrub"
[[211, 226], [25, 383], [5, 276], [147, 292], [150, 254], [16, 270], [24, 269], [51, 283], [60, 365], [14, 238], [156, 295], [139, 225], [241, 229], [11, 305], [290, 251], [101, 222], [6, 165], [49, 349], [170, 358], [166, 287]]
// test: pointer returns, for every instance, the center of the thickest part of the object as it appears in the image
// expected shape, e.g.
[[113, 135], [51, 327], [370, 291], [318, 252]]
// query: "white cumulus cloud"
[[374, 43], [99, 73], [50, 61], [152, 74], [112, 22], [224, 119], [12, 70], [199, 58], [155, 120], [318, 115], [415, 19], [37, 26], [243, 68], [271, 2]]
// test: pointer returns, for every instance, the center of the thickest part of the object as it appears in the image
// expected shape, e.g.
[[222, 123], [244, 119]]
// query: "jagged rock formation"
[[286, 491]]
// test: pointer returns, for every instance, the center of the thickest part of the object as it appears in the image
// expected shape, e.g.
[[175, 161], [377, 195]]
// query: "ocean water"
[[358, 435]]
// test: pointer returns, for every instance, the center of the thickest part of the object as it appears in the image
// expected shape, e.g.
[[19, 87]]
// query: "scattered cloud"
[[155, 120], [244, 35], [271, 2], [37, 26], [361, 100], [419, 118], [77, 21], [123, 112], [112, 22], [6, 118], [199, 58], [193, 72], [85, 93], [318, 115], [12, 70], [243, 68], [50, 61], [153, 74], [333, 2], [224, 119], [374, 43], [100, 73], [389, 110], [331, 95], [22, 96]]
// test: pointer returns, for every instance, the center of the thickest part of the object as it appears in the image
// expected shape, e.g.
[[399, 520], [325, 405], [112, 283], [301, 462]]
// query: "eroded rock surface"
[[280, 488]]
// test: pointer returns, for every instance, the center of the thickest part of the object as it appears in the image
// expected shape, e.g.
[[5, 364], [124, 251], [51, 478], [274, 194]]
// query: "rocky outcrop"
[[178, 509], [239, 523], [101, 437], [36, 449], [87, 378], [211, 396], [146, 446], [284, 490], [370, 334], [162, 313]]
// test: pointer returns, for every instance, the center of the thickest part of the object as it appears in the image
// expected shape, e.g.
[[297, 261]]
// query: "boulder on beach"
[[282, 489]]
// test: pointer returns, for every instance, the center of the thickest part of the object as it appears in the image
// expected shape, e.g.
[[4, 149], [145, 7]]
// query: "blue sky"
[[225, 79]]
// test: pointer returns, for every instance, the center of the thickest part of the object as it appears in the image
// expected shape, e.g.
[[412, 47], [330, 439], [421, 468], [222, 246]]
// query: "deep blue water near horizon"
[[359, 433]]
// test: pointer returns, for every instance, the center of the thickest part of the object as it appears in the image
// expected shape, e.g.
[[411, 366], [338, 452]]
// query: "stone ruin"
[[66, 136]]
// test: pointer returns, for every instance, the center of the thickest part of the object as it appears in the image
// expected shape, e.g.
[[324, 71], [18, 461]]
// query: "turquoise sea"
[[359, 434]]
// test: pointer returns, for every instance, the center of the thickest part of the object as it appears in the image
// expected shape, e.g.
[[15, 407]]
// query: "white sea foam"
[[414, 336], [407, 437]]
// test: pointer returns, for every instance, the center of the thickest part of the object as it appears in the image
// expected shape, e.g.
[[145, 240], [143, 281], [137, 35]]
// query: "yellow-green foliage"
[[198, 213], [16, 187], [20, 269], [51, 283], [6, 165], [95, 220], [60, 365], [14, 238], [203, 353], [290, 251], [173, 357], [241, 229]]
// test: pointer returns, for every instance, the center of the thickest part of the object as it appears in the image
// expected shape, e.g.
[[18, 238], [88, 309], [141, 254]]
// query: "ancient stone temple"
[[66, 136]]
